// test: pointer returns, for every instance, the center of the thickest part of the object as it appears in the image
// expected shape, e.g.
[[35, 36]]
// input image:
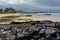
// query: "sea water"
[[55, 16]]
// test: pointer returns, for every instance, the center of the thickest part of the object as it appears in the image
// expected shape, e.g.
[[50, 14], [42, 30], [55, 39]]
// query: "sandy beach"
[[33, 18], [10, 14], [41, 19]]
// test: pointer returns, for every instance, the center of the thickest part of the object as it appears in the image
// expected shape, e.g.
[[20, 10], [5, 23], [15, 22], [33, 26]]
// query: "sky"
[[32, 5]]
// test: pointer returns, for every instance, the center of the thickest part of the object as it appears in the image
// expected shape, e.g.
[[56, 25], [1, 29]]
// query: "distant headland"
[[12, 10]]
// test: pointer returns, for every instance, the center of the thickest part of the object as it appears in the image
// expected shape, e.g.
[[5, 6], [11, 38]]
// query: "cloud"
[[33, 5], [14, 1]]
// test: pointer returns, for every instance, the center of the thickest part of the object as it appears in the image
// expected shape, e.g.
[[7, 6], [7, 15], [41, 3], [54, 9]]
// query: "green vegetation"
[[8, 10], [1, 10], [12, 10], [28, 15], [8, 19], [25, 19]]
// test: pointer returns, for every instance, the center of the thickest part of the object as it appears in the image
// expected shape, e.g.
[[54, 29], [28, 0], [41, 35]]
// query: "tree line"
[[8, 10]]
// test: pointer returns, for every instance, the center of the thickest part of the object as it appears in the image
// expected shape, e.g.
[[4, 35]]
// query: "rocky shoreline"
[[44, 30], [32, 30]]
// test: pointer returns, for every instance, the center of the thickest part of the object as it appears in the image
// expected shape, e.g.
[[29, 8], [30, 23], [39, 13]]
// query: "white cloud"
[[15, 1], [33, 4]]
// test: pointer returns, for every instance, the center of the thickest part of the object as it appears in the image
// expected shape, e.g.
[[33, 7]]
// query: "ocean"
[[52, 16]]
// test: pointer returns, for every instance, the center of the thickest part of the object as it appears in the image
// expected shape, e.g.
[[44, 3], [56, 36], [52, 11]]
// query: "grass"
[[8, 19]]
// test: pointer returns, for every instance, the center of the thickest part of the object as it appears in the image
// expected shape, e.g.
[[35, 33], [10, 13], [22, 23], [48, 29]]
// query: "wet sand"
[[41, 19]]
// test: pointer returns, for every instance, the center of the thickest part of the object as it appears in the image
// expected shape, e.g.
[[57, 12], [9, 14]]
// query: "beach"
[[21, 17]]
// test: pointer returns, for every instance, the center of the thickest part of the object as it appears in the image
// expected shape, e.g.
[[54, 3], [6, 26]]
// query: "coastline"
[[41, 19], [24, 18]]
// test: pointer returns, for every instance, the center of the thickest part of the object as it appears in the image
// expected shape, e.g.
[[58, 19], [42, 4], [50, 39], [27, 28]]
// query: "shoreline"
[[42, 19], [33, 18], [29, 21]]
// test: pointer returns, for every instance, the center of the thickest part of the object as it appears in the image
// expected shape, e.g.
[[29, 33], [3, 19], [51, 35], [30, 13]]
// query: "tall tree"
[[10, 10], [6, 10], [1, 10]]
